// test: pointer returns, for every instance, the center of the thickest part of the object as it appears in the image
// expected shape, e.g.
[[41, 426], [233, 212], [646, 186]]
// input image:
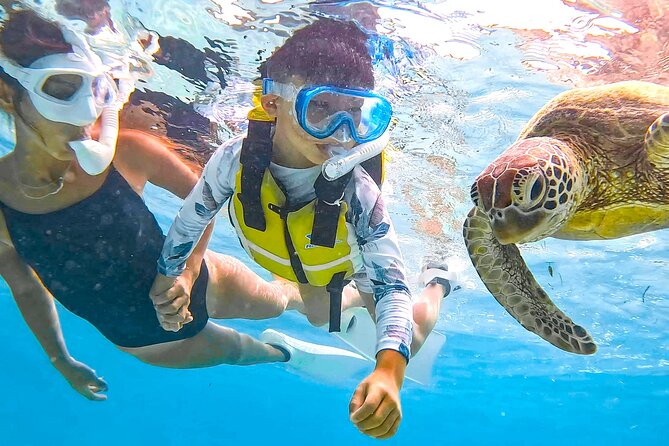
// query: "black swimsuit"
[[98, 259]]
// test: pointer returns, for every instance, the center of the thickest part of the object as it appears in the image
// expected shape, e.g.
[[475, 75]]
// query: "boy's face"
[[293, 146]]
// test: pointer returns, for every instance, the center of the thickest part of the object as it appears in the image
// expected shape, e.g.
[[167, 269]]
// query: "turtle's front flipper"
[[507, 277]]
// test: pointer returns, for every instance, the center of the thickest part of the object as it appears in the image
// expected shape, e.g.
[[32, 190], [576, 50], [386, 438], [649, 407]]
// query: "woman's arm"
[[39, 311], [151, 158], [144, 157]]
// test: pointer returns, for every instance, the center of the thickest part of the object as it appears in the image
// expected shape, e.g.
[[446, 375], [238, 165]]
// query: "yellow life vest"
[[308, 243], [285, 246]]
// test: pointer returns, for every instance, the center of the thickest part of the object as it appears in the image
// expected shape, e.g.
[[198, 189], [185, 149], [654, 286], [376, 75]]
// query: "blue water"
[[494, 382]]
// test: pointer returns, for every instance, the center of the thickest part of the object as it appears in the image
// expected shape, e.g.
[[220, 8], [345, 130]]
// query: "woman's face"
[[54, 135]]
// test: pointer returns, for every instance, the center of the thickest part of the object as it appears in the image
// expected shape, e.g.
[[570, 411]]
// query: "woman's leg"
[[212, 346], [235, 291]]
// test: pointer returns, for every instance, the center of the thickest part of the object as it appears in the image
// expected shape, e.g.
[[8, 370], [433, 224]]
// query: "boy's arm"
[[375, 407], [187, 239], [199, 208], [385, 272]]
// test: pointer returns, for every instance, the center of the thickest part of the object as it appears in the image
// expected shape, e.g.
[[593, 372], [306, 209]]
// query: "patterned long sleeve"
[[200, 207], [384, 272]]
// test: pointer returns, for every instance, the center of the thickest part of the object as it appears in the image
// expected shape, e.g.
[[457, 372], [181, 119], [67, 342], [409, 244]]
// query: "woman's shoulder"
[[7, 187], [5, 238]]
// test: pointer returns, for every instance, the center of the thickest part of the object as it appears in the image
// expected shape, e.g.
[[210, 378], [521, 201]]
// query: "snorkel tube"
[[341, 164], [95, 156]]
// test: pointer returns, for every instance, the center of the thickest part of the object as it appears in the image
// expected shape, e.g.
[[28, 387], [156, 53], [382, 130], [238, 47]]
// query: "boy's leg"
[[214, 345], [426, 313], [235, 291], [316, 302]]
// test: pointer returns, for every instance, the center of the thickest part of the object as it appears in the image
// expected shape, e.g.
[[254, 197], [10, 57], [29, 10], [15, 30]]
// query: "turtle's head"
[[529, 191]]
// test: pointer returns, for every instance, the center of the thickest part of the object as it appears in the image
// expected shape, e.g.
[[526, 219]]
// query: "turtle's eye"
[[530, 189]]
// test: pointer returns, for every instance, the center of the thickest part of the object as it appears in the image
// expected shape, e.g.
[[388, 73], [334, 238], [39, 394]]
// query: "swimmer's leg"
[[425, 312], [317, 302], [212, 346], [235, 291]]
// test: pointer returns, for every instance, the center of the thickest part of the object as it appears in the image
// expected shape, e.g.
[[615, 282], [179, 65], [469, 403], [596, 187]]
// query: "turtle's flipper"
[[657, 142], [507, 277]]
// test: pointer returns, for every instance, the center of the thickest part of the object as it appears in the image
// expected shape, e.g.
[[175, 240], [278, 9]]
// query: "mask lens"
[[325, 107], [367, 116], [62, 86], [375, 117], [104, 90]]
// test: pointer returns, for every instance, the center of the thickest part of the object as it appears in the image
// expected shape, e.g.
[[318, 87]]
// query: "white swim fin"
[[321, 362], [359, 331]]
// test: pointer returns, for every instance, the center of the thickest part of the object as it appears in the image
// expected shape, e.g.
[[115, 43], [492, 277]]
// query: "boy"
[[319, 102]]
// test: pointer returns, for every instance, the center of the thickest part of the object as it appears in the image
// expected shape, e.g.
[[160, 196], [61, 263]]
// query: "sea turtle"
[[592, 164]]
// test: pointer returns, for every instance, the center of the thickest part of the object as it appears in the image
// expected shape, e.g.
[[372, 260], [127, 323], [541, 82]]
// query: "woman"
[[73, 225]]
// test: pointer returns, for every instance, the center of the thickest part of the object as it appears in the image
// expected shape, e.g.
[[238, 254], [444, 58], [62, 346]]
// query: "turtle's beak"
[[510, 226]]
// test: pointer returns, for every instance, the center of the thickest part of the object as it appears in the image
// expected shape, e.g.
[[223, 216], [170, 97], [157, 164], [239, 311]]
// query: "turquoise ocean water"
[[465, 78]]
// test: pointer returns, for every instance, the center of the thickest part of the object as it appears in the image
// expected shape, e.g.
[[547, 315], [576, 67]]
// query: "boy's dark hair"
[[328, 51]]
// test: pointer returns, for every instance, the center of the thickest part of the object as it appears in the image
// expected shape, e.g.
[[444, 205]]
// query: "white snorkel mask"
[[75, 89]]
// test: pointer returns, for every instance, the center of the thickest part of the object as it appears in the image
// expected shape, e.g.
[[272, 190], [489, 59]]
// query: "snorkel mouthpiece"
[[341, 164], [93, 156]]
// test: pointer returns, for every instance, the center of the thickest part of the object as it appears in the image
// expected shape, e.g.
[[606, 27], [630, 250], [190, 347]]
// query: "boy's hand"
[[82, 379], [171, 298], [375, 407]]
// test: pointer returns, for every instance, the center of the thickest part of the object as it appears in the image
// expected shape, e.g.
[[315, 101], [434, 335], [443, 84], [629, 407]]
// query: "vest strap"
[[255, 157], [326, 213], [335, 289]]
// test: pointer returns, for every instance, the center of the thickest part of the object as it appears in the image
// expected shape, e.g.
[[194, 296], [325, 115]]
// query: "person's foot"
[[315, 360], [435, 271]]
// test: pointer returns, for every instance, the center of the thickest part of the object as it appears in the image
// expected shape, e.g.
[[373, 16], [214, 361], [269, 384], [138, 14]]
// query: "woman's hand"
[[171, 298], [82, 378], [375, 407]]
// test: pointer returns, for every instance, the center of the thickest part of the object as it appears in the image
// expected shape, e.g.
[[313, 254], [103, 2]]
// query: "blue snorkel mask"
[[326, 111]]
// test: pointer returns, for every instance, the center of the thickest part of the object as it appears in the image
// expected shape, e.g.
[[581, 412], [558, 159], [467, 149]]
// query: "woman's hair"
[[81, 9], [326, 52], [26, 37]]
